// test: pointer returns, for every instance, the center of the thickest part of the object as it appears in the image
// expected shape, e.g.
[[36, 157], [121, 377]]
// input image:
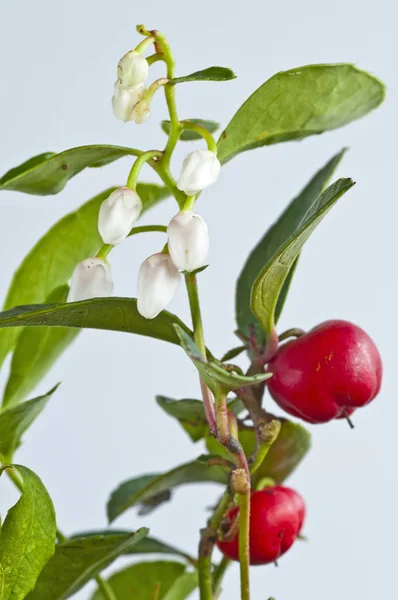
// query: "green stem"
[[202, 131], [154, 58], [244, 548], [218, 575], [106, 248], [204, 575], [142, 46], [165, 175], [137, 166], [105, 588]]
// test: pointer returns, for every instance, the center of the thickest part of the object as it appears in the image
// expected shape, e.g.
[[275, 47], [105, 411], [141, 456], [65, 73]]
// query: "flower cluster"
[[187, 234]]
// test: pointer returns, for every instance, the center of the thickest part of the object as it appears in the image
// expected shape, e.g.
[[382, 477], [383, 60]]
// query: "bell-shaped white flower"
[[141, 112], [117, 215], [188, 240], [200, 169], [125, 99], [90, 279], [132, 69], [158, 281]]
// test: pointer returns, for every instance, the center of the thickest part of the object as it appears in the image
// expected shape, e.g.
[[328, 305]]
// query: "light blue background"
[[58, 65]]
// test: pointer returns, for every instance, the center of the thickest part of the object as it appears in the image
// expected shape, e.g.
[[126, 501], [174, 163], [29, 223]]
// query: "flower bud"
[[158, 280], [125, 99], [132, 69], [117, 215], [188, 241], [200, 169], [90, 279]]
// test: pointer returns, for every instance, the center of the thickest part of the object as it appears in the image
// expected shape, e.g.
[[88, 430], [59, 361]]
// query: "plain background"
[[58, 65]]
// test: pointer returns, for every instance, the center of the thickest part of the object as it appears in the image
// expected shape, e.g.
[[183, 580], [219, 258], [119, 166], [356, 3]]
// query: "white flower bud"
[[200, 169], [132, 69], [158, 281], [90, 279], [188, 241], [125, 99], [117, 215]]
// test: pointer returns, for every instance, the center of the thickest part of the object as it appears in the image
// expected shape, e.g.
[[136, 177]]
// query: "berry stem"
[[244, 548], [219, 573], [294, 332]]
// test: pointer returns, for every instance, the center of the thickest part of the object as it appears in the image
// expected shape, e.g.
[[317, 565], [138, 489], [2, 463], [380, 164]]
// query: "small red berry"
[[326, 373], [276, 518]]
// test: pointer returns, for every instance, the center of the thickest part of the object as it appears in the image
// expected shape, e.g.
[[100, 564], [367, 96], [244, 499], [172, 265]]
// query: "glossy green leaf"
[[49, 173], [191, 415], [269, 282], [147, 545], [51, 261], [141, 580], [77, 561], [295, 104], [287, 224], [27, 539], [112, 314], [216, 376], [209, 74], [15, 421], [36, 351], [189, 136], [289, 449], [141, 489]]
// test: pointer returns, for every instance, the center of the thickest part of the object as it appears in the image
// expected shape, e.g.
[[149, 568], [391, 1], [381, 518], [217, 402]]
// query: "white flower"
[[141, 112], [117, 215], [125, 99], [90, 279], [188, 241], [158, 281], [200, 169], [132, 69]]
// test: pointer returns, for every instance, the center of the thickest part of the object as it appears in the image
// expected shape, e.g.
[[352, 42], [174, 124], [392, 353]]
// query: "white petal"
[[117, 215], [90, 279], [200, 169], [125, 99], [132, 69], [188, 241], [158, 281]]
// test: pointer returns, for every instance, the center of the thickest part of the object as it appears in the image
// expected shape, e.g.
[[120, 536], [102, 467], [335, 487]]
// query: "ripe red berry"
[[326, 373], [276, 518]]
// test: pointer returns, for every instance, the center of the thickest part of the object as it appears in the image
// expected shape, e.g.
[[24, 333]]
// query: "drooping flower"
[[117, 215], [125, 99], [132, 69], [158, 281], [200, 169], [188, 240], [91, 279]]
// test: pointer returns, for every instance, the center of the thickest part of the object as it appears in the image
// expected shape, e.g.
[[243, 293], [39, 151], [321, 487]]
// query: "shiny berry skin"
[[327, 372], [276, 518]]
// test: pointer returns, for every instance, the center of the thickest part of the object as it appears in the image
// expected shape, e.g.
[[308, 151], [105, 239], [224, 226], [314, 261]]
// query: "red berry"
[[276, 519], [326, 373]]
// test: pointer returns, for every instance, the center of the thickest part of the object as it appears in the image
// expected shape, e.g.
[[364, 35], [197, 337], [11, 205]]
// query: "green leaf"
[[287, 224], [36, 351], [77, 561], [140, 581], [147, 545], [141, 489], [49, 173], [15, 421], [214, 374], [295, 104], [191, 414], [269, 282], [51, 261], [183, 587], [27, 539], [112, 314], [289, 449], [189, 136], [209, 74]]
